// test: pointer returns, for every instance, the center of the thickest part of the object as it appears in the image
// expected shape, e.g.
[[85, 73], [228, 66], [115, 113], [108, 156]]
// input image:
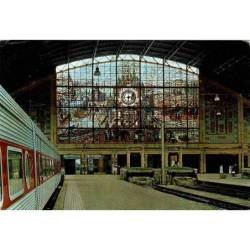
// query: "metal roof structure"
[[25, 61]]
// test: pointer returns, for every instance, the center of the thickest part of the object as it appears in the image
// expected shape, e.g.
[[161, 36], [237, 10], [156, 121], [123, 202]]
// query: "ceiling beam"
[[120, 48], [194, 61], [228, 64], [95, 50], [32, 85], [175, 50], [146, 49]]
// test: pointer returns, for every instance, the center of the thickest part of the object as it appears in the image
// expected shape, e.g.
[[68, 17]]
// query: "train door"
[[154, 161], [107, 162], [69, 165], [122, 160], [135, 160]]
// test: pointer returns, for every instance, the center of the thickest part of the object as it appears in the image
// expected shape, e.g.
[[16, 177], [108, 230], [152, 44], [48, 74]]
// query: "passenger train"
[[30, 167]]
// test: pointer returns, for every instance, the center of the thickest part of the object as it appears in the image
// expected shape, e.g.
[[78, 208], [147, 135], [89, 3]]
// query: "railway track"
[[220, 201], [242, 192]]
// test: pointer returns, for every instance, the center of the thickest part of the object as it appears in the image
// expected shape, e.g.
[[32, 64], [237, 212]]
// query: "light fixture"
[[97, 71], [218, 113], [216, 98]]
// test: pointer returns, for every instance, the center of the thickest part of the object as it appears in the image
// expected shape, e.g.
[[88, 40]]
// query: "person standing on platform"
[[234, 170], [221, 171], [84, 168]]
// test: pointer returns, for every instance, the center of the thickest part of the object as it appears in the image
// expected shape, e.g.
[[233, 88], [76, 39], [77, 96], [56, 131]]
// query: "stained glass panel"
[[128, 101], [152, 97], [128, 73], [104, 97], [104, 117]]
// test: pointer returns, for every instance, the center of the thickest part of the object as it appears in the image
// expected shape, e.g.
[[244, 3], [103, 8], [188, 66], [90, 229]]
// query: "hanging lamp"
[[216, 98], [97, 71]]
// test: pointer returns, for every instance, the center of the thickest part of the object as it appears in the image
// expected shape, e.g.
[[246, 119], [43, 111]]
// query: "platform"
[[229, 180], [108, 192], [229, 193]]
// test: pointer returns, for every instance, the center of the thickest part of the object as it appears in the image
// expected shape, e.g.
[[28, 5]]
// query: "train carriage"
[[29, 163]]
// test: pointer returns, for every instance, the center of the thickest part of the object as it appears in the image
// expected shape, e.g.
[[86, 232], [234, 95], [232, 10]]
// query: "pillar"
[[163, 156], [83, 162], [101, 165], [240, 119], [145, 160], [180, 158], [203, 163], [241, 162], [53, 131], [114, 159], [142, 160], [128, 159], [166, 158]]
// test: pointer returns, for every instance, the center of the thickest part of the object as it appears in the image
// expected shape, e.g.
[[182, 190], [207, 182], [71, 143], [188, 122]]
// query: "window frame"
[[52, 167], [19, 193], [47, 164], [27, 155], [40, 169]]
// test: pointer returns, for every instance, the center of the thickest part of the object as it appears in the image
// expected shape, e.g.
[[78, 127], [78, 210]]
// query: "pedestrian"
[[234, 170], [84, 169], [221, 171]]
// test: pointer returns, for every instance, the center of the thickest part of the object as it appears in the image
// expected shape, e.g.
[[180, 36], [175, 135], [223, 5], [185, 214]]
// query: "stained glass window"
[[128, 101]]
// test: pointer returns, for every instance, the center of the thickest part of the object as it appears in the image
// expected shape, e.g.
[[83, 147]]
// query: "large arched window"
[[128, 101]]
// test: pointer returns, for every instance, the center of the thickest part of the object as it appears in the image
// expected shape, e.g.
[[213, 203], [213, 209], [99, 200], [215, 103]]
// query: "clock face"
[[128, 97]]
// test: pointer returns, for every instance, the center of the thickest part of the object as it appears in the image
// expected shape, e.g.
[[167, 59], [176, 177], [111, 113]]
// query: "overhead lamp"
[[97, 71], [216, 98], [218, 113]]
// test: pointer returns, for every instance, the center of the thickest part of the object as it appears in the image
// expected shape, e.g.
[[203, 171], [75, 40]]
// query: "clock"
[[128, 97]]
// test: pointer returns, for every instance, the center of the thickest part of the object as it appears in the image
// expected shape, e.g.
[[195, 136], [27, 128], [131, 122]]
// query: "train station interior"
[[139, 111], [133, 109], [124, 124]]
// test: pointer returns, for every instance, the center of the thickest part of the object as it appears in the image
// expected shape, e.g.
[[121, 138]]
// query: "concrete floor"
[[108, 192]]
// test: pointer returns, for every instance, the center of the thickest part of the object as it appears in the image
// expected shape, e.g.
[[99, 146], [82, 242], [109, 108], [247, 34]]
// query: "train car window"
[[49, 167], [41, 168], [15, 172], [49, 164], [44, 167], [1, 195], [52, 167], [37, 164], [56, 166], [27, 169]]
